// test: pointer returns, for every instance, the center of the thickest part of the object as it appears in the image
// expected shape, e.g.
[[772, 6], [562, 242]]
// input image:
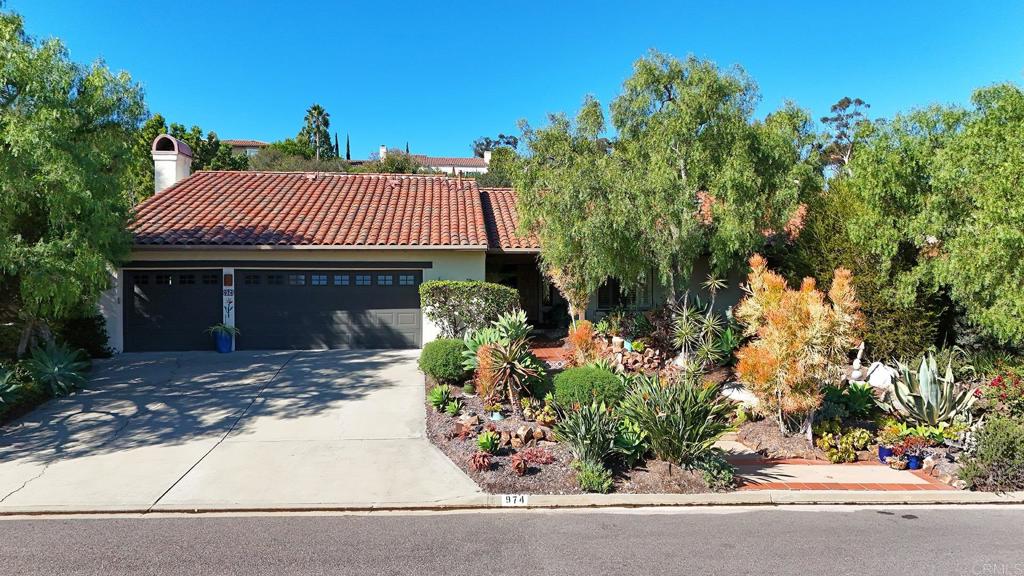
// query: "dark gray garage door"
[[170, 309], [316, 309]]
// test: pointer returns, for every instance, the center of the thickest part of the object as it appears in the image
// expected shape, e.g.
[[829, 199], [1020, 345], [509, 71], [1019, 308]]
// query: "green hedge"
[[442, 361], [457, 307], [586, 384]]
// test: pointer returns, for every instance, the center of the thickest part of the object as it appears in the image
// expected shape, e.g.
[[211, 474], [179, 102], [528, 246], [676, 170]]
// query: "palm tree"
[[317, 123]]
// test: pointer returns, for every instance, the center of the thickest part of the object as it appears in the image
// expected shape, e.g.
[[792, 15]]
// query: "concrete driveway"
[[250, 430]]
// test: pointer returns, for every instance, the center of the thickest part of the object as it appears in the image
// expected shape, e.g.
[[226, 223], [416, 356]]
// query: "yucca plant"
[[925, 397], [58, 368], [696, 333], [683, 419]]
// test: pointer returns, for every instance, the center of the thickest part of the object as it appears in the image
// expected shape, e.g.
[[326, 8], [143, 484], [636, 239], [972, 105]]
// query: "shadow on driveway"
[[147, 399]]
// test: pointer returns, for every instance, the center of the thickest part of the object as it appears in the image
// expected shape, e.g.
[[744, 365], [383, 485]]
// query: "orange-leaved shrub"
[[486, 379], [800, 341], [581, 338]]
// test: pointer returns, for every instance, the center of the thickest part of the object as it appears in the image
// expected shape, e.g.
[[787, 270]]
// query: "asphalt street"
[[806, 541]]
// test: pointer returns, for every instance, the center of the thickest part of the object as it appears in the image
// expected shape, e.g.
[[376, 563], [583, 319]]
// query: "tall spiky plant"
[[926, 397]]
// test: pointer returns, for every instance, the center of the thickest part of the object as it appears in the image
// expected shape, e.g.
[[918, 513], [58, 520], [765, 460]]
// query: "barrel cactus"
[[926, 397]]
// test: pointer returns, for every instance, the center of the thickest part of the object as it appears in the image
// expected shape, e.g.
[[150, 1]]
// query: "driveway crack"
[[230, 429]]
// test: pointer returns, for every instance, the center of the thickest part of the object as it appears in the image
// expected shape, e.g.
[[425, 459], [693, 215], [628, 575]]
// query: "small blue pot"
[[223, 342], [884, 452], [914, 462]]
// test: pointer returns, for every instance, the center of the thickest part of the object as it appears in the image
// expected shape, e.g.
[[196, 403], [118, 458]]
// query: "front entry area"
[[274, 309]]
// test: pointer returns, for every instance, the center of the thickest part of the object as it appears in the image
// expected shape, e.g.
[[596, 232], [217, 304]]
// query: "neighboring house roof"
[[502, 220], [245, 143], [473, 162], [322, 209]]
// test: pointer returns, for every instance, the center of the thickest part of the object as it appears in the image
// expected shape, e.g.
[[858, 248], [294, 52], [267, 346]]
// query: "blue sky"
[[439, 75]]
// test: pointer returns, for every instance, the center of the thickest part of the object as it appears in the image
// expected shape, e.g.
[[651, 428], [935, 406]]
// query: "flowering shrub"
[[1004, 394]]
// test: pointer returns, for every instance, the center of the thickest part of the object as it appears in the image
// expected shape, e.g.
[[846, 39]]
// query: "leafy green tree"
[[66, 134], [274, 159], [705, 178], [394, 162], [488, 144], [982, 177], [315, 132], [935, 205], [500, 171], [208, 152], [292, 147], [570, 197], [842, 123]]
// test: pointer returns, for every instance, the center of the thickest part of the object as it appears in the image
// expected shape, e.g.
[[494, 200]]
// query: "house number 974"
[[514, 500]]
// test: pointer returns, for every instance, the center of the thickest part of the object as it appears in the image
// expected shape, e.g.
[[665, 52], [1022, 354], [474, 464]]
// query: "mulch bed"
[[555, 478], [763, 436]]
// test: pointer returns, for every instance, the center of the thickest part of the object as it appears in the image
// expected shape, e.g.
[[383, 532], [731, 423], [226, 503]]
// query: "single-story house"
[[315, 260]]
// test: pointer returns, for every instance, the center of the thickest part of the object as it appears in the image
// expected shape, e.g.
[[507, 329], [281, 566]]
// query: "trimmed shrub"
[[88, 332], [997, 464], [587, 384], [442, 361], [459, 306]]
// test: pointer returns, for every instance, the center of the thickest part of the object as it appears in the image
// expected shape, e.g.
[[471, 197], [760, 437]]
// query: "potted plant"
[[495, 411], [888, 439], [915, 450], [223, 335]]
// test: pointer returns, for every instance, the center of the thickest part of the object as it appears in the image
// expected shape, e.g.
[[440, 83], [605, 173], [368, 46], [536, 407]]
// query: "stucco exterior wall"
[[451, 264]]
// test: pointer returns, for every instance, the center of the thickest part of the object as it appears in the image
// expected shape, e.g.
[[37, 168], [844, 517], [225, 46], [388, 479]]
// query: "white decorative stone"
[[881, 376]]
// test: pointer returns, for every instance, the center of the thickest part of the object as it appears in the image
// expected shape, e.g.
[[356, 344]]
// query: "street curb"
[[753, 498]]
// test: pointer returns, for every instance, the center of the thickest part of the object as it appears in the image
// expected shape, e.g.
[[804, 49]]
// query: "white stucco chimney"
[[487, 156], [172, 161], [383, 151]]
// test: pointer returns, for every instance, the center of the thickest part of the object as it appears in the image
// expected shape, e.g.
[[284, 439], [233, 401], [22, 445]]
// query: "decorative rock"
[[506, 439], [538, 434], [517, 442], [929, 463], [881, 376]]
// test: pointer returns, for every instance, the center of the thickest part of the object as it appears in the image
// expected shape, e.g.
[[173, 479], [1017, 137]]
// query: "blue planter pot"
[[223, 342], [914, 462], [883, 453]]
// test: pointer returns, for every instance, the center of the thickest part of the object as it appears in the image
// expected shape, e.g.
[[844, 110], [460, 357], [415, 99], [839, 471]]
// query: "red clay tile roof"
[[246, 143], [473, 162], [503, 221], [286, 208]]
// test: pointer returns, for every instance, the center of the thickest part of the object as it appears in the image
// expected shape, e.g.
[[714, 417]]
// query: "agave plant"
[[926, 397], [515, 369], [58, 368], [507, 328], [8, 384]]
